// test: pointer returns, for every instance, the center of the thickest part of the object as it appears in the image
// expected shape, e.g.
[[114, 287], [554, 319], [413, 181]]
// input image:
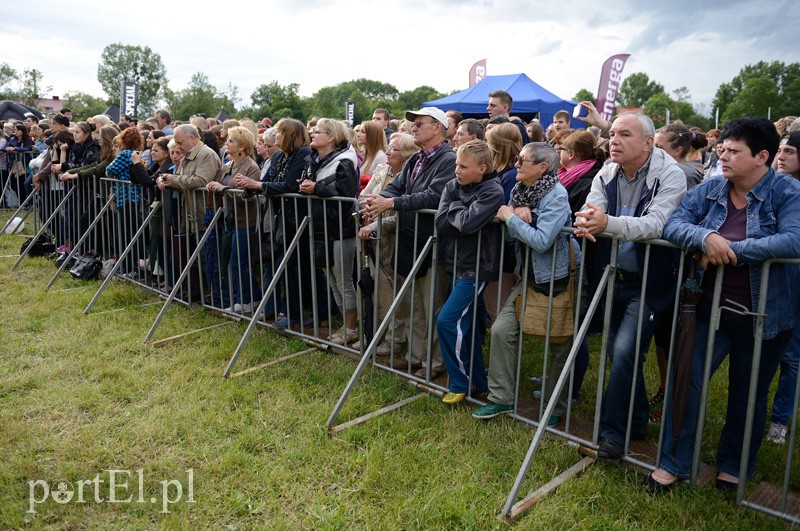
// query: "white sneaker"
[[384, 349], [776, 433], [343, 338], [243, 308]]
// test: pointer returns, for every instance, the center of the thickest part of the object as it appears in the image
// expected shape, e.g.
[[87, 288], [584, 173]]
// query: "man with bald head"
[[630, 200], [199, 167]]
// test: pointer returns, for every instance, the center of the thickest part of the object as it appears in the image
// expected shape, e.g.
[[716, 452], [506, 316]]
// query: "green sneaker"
[[491, 410]]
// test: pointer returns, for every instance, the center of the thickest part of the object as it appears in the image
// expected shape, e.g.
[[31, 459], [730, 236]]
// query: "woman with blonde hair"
[[505, 142], [98, 122], [401, 147], [332, 173], [241, 217], [287, 168]]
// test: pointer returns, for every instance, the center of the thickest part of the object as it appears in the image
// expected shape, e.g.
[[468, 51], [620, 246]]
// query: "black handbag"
[[87, 267]]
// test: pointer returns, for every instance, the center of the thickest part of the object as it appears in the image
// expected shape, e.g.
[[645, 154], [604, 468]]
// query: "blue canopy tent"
[[530, 99]]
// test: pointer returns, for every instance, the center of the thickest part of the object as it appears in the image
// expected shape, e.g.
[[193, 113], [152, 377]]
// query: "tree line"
[[766, 89]]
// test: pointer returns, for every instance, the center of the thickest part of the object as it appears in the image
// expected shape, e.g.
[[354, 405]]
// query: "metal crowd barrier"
[[274, 249], [14, 172]]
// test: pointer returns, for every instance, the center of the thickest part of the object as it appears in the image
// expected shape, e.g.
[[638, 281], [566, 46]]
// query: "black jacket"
[[465, 216], [82, 155], [339, 182]]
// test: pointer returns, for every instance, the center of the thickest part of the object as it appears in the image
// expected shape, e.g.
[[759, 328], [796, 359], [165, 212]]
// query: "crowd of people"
[[503, 192]]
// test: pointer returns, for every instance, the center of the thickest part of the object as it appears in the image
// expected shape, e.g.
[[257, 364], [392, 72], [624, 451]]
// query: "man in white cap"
[[419, 186]]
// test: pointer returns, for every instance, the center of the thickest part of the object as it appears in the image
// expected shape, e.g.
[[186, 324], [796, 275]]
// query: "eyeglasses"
[[520, 160], [419, 123], [318, 131]]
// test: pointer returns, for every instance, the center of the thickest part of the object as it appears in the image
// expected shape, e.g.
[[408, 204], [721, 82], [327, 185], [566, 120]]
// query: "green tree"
[[656, 108], [32, 86], [785, 81], [84, 105], [276, 101], [758, 96], [367, 94], [636, 89], [584, 95], [411, 100], [682, 95], [141, 65], [200, 96], [8, 76]]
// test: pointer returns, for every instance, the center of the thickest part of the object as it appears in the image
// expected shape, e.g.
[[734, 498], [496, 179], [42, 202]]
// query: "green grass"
[[83, 394]]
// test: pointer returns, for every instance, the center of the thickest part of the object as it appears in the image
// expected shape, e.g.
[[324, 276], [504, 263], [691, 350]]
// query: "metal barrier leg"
[[120, 260], [184, 273], [509, 507], [378, 334], [276, 279]]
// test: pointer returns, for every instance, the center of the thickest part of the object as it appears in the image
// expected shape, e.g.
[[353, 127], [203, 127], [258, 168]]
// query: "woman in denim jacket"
[[538, 212], [739, 221]]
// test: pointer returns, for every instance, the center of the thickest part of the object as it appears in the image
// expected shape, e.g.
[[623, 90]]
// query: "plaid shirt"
[[120, 169], [422, 161]]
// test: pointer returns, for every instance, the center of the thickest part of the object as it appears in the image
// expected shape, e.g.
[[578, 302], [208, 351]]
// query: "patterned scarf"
[[530, 197]]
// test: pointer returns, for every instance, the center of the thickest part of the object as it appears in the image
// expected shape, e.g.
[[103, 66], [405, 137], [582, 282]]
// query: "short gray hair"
[[188, 129], [544, 152], [648, 129], [269, 134]]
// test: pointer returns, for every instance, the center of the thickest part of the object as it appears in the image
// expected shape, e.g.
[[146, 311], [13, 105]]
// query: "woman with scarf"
[[538, 212], [580, 159], [332, 172]]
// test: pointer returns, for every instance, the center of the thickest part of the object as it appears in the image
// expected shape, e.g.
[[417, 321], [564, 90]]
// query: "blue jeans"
[[783, 403], [276, 303], [461, 344], [735, 337], [622, 332], [245, 284]]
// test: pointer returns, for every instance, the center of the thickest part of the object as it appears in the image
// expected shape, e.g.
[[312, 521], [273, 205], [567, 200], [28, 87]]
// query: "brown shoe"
[[401, 364], [422, 372]]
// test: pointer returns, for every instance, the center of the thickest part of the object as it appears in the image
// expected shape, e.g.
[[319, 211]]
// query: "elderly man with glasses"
[[419, 186]]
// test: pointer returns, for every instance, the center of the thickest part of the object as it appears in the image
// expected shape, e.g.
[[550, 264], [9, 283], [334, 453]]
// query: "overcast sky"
[[561, 45]]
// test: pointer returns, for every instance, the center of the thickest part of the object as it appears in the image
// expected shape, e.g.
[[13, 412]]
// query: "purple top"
[[736, 282]]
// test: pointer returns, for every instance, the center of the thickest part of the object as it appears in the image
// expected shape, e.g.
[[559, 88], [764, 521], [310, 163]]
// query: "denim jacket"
[[773, 231], [543, 234]]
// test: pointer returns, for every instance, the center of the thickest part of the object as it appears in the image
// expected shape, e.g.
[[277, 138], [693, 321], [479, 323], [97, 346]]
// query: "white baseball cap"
[[434, 112]]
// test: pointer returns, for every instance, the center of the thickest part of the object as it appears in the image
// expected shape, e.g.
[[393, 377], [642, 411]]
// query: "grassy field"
[[82, 395]]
